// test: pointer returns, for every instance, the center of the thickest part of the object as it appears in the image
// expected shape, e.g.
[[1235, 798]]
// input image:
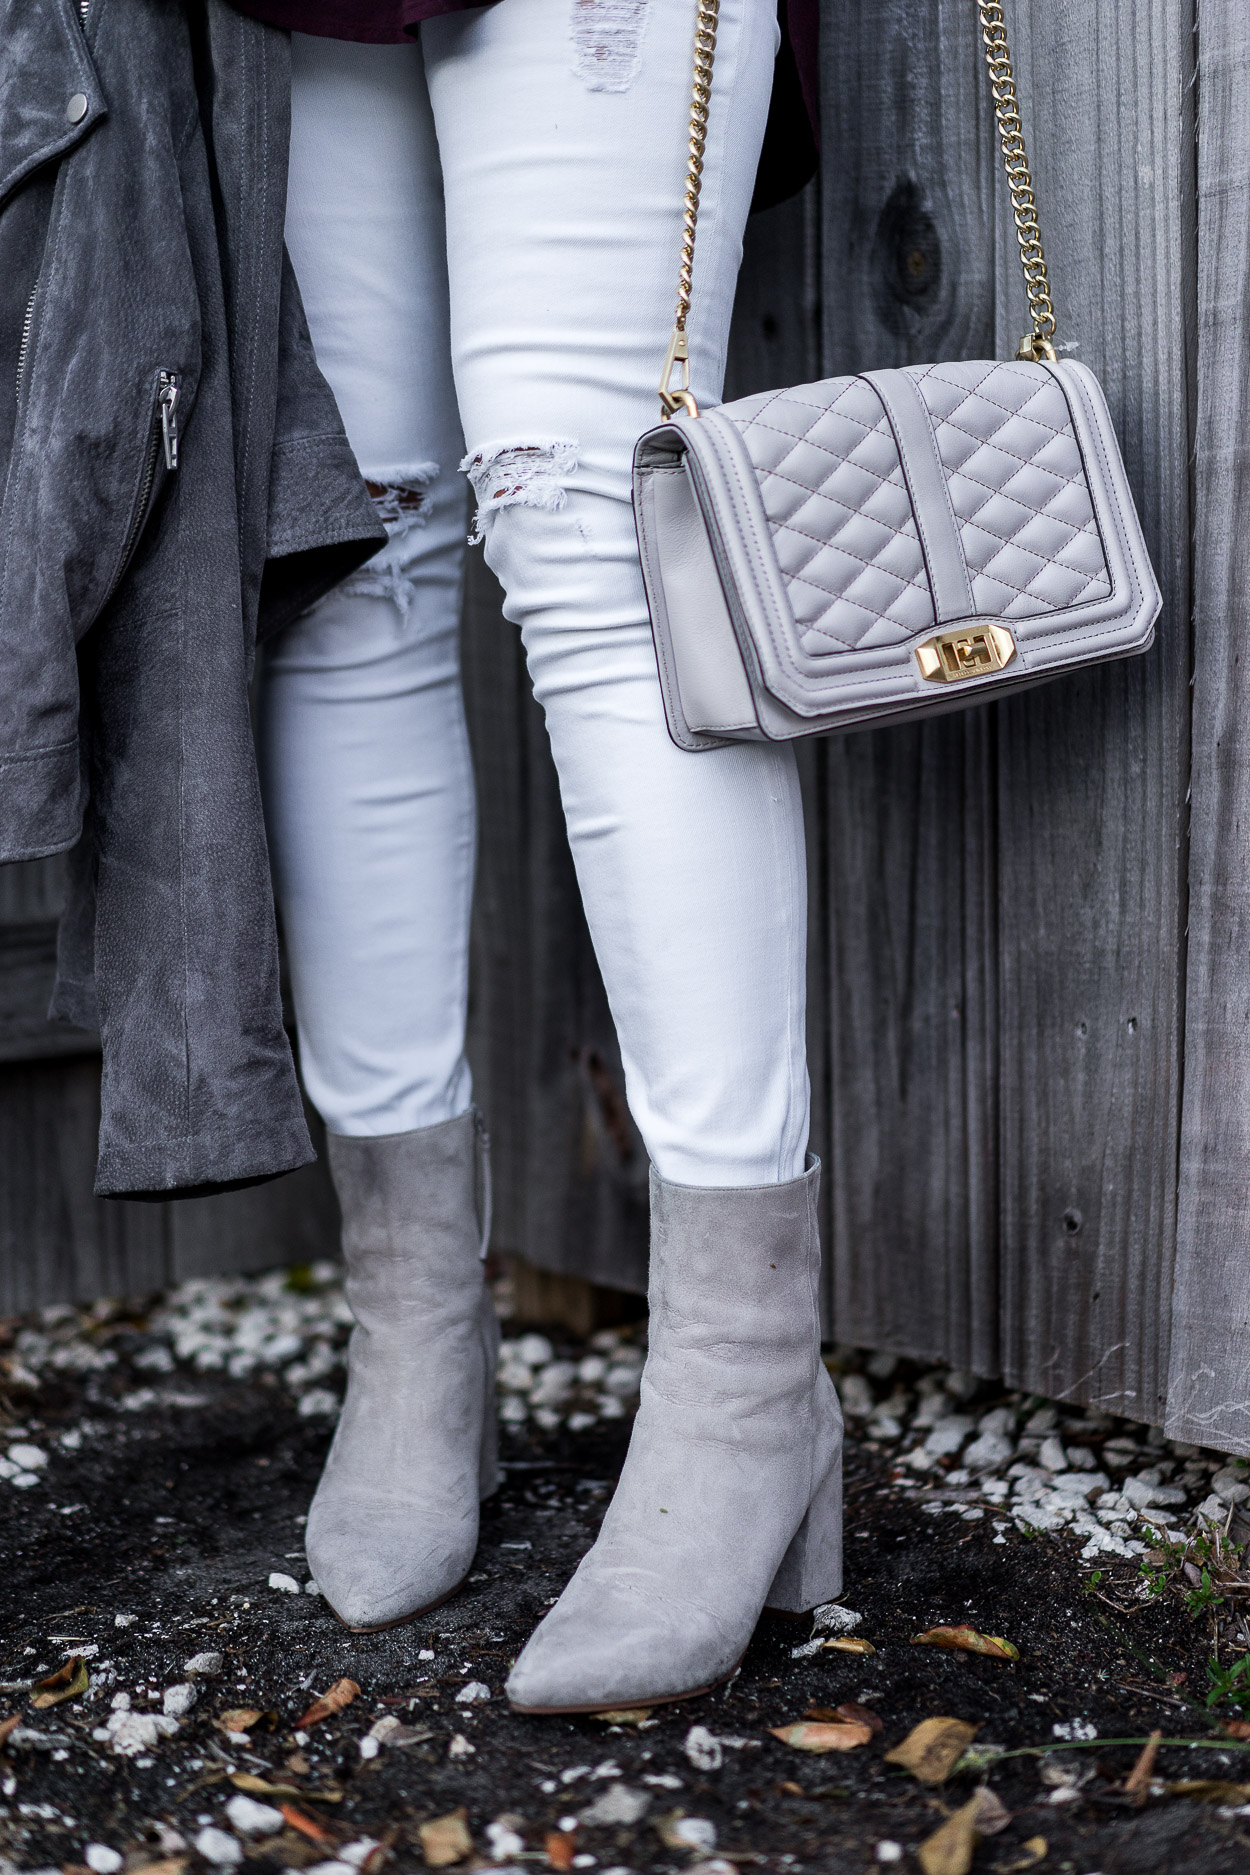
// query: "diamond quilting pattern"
[[1017, 486], [833, 491]]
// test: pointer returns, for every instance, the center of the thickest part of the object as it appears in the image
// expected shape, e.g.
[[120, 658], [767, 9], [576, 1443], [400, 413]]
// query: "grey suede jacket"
[[175, 479]]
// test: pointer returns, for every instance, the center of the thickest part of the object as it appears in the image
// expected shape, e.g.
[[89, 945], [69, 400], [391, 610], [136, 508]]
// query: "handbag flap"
[[833, 488]]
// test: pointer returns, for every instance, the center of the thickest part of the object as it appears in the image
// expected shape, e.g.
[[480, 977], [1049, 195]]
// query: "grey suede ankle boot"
[[731, 1495], [393, 1526]]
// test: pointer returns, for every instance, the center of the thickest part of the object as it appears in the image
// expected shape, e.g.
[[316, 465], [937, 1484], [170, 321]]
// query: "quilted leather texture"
[[843, 531], [1017, 486]]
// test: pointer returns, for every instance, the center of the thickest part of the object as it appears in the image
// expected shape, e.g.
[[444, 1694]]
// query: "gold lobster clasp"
[[1034, 347], [671, 401]]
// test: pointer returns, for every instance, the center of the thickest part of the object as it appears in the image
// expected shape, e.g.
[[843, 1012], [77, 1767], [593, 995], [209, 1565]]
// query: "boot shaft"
[[734, 1293], [413, 1217]]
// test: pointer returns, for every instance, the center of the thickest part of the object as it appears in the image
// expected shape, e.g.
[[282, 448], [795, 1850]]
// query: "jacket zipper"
[[84, 7], [164, 438], [24, 347]]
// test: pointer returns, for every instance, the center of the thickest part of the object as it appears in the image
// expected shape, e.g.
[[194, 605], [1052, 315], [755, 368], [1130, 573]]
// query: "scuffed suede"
[[731, 1494], [393, 1527]]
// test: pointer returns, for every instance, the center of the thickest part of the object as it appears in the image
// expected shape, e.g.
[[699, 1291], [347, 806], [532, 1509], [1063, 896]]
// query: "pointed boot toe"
[[378, 1565], [609, 1645]]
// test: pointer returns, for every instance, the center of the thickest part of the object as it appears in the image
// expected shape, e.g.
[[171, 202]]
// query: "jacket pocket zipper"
[[162, 439], [24, 345]]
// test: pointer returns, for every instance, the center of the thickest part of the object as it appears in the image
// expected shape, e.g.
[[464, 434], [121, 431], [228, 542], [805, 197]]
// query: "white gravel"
[[1050, 1467], [1106, 1483], [222, 1850], [250, 1818]]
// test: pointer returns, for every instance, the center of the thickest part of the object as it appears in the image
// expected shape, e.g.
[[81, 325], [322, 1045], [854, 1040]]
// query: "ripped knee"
[[607, 42], [400, 500], [401, 505], [519, 475]]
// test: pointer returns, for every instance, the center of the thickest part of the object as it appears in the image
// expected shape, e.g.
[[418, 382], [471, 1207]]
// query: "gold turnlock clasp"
[[671, 401], [952, 657]]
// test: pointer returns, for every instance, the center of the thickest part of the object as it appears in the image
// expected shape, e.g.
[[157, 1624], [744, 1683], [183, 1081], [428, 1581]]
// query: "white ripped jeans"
[[485, 227]]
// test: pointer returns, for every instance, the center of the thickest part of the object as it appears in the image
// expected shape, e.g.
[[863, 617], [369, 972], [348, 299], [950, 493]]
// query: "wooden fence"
[[1030, 973]]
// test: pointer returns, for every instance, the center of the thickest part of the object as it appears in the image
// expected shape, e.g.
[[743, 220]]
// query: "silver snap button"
[[77, 107]]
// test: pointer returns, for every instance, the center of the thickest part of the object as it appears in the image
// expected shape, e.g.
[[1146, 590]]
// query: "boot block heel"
[[811, 1569]]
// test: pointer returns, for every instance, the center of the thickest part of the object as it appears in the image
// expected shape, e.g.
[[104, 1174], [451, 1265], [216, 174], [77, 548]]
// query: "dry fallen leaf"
[[967, 1641], [1137, 1783], [1237, 1728], [9, 1726], [990, 1813], [932, 1749], [805, 1736], [847, 1714], [561, 1846], [167, 1865], [1032, 1852], [306, 1825], [261, 1787], [237, 1719], [629, 1715], [446, 1839], [66, 1683], [847, 1644], [1210, 1790], [340, 1694], [1029, 1855], [950, 1849]]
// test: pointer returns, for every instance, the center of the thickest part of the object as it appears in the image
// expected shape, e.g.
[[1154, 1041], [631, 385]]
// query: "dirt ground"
[[154, 1541]]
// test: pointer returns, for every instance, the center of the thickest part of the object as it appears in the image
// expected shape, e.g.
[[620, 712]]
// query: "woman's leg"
[[562, 127], [563, 138], [370, 807], [368, 783]]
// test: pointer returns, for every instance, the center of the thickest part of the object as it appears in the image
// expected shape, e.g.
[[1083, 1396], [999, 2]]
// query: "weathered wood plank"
[[1093, 770], [58, 1243], [1209, 1385], [27, 973], [30, 904], [908, 261], [289, 1220]]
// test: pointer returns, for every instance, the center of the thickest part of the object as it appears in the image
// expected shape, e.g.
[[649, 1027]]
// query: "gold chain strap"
[[672, 400], [1039, 343], [1036, 345]]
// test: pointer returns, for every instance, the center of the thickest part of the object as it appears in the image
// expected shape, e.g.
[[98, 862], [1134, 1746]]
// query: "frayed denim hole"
[[519, 475], [607, 42], [402, 505]]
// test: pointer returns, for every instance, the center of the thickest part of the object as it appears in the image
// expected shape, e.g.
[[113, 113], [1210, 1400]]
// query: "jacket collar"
[[50, 97]]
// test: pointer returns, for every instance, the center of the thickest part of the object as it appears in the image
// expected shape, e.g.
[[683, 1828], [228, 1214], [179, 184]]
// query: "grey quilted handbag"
[[877, 548]]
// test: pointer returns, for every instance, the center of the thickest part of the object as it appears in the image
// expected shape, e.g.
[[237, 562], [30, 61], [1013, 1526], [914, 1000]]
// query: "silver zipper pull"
[[168, 400]]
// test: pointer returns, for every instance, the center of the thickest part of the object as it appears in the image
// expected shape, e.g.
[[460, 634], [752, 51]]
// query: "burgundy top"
[[389, 22]]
